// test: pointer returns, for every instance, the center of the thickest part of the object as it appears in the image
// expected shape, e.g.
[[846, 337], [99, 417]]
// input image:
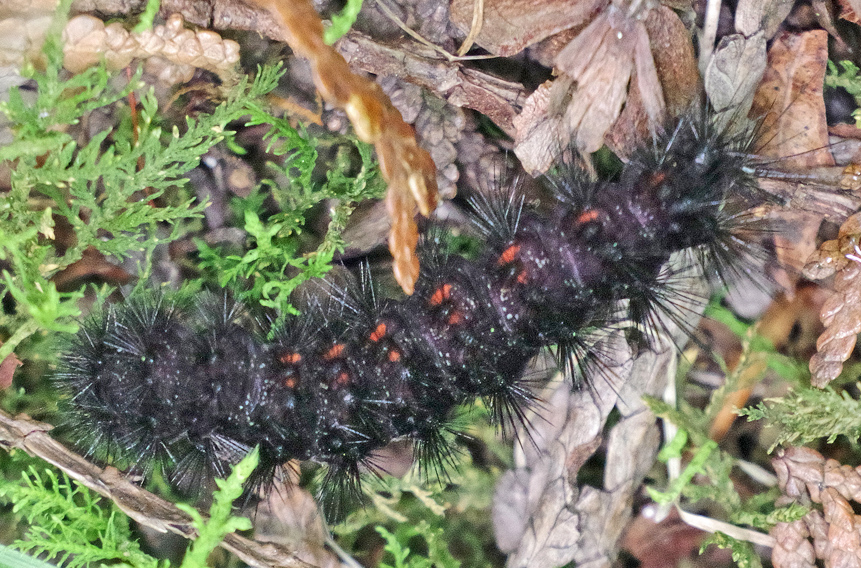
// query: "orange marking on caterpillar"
[[440, 294], [336, 351], [508, 255], [587, 216], [394, 355], [455, 318], [378, 333], [523, 277], [656, 179], [291, 382], [343, 378], [290, 358]]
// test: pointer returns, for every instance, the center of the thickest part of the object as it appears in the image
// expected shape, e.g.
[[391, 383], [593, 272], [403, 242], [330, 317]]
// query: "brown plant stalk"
[[408, 169]]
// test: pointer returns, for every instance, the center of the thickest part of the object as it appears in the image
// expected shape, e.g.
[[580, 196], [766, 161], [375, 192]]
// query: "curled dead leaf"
[[790, 104], [7, 370], [510, 26], [606, 66]]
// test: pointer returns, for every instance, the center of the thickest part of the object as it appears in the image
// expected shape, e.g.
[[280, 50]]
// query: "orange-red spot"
[[455, 318], [343, 378], [508, 255], [334, 352], [290, 382], [394, 355], [290, 358], [657, 179], [523, 277], [440, 294], [378, 333], [587, 216]]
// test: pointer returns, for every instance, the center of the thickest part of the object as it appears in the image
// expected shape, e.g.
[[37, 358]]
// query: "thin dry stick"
[[475, 27], [478, 13]]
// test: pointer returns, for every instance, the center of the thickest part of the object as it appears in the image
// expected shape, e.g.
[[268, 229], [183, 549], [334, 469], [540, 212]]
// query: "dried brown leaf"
[[580, 107], [660, 544], [752, 16], [290, 518], [93, 264], [733, 73], [677, 75], [674, 58], [850, 10], [790, 104], [600, 62], [509, 26], [539, 127], [7, 370]]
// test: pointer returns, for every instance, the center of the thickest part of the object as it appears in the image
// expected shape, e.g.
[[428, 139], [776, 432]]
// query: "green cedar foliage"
[[74, 527], [442, 522], [69, 524], [342, 22], [848, 78], [221, 522], [273, 266], [103, 189], [807, 414]]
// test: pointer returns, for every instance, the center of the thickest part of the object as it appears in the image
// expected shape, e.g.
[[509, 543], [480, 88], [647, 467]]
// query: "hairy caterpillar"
[[192, 385]]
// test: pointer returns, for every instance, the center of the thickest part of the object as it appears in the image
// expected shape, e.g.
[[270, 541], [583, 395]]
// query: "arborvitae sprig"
[[104, 188], [221, 522], [847, 78], [74, 527], [69, 524], [805, 415], [273, 267]]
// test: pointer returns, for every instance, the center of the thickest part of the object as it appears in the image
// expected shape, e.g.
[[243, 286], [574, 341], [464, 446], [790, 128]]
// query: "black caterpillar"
[[194, 385]]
